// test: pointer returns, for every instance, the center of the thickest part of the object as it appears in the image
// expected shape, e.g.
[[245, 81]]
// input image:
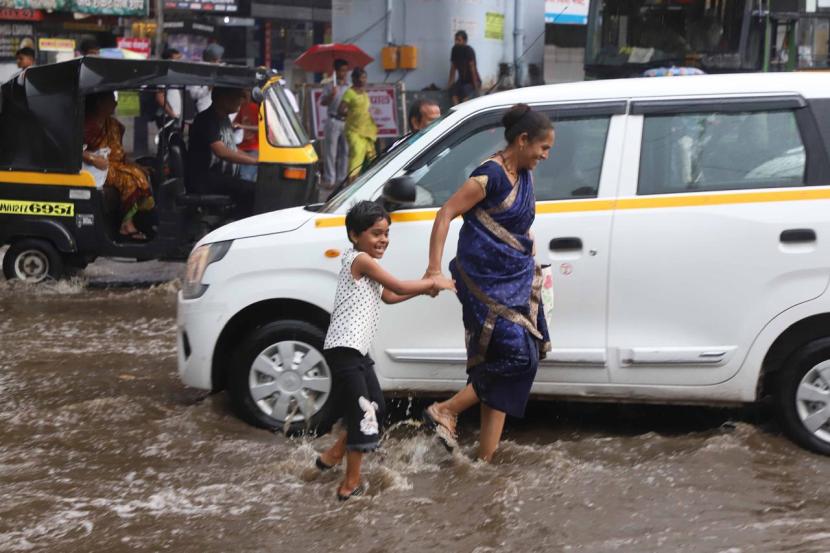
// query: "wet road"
[[102, 449]]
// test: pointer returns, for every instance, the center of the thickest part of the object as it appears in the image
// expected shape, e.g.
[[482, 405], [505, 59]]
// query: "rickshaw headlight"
[[198, 263]]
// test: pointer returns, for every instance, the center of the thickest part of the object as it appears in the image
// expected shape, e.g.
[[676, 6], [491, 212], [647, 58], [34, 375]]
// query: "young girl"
[[363, 283]]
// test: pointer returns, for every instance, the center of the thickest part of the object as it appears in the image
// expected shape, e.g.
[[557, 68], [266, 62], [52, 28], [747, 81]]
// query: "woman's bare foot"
[[443, 417]]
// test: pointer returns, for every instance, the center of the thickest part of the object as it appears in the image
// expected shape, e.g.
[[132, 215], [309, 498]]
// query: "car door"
[[423, 339], [714, 234]]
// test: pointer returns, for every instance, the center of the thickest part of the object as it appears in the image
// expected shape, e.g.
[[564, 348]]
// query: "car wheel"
[[32, 260], [280, 380], [803, 396]]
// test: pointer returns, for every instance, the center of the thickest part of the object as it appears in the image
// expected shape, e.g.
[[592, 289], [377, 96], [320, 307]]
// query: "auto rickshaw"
[[55, 218]]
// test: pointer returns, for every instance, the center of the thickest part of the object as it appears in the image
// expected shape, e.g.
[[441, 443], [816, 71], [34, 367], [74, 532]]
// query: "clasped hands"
[[440, 282]]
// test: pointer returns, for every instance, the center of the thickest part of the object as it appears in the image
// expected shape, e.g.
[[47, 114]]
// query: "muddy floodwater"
[[103, 449]]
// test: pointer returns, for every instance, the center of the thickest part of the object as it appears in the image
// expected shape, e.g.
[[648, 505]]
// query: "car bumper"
[[198, 325]]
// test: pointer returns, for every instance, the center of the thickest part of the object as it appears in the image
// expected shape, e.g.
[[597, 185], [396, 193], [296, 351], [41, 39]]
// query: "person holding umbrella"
[[361, 130], [336, 150]]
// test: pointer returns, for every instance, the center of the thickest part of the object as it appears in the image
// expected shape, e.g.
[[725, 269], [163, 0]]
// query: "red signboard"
[[139, 45], [12, 14]]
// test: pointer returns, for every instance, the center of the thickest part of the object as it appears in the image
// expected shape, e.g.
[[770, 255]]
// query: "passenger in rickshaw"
[[102, 130], [213, 158]]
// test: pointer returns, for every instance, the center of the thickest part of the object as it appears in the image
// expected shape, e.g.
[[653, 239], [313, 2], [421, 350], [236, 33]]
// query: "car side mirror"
[[398, 191], [257, 95]]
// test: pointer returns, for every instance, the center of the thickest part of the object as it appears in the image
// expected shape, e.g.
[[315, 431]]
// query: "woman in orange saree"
[[102, 130]]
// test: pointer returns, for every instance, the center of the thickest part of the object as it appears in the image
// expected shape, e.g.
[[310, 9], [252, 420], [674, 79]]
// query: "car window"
[[573, 167], [447, 168], [572, 170], [721, 151]]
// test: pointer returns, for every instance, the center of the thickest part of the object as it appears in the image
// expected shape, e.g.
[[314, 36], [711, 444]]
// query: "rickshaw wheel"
[[32, 260]]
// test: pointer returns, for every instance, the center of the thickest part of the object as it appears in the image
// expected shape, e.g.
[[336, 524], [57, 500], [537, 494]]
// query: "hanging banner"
[[138, 45], [567, 12], [383, 108], [98, 7]]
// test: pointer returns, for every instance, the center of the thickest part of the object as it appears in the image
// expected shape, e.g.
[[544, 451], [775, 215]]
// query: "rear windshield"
[[283, 125]]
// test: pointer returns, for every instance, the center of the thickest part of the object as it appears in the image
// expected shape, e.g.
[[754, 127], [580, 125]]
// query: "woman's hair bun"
[[513, 115], [521, 119]]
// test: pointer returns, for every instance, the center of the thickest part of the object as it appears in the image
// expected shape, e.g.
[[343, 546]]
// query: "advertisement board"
[[12, 36], [223, 6], [384, 102], [567, 12], [98, 7], [138, 45]]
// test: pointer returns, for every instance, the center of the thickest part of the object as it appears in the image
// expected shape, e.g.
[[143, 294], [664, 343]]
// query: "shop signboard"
[[98, 7], [567, 12], [138, 45], [14, 14], [12, 36], [223, 6], [383, 98], [56, 45]]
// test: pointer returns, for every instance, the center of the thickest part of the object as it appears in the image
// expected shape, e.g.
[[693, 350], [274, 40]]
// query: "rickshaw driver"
[[213, 158]]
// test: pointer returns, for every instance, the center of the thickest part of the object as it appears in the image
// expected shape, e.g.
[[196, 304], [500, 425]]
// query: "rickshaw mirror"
[[257, 95]]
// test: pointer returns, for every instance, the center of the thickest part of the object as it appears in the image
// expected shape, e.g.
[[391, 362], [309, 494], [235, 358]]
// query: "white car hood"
[[284, 220]]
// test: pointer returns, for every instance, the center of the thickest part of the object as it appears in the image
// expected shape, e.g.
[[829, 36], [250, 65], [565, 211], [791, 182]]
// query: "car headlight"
[[197, 263]]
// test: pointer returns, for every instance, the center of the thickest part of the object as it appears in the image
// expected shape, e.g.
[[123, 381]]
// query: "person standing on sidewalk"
[[361, 130], [463, 62], [336, 149]]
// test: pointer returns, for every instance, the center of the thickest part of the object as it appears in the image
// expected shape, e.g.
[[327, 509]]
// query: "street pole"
[[159, 38], [518, 44]]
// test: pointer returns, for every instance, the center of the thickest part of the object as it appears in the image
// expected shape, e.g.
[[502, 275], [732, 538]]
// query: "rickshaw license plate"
[[49, 209]]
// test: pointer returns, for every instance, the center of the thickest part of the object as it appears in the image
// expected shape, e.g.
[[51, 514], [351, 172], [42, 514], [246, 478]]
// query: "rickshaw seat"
[[177, 154]]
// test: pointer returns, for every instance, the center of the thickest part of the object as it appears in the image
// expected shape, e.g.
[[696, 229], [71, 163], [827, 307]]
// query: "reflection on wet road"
[[104, 450]]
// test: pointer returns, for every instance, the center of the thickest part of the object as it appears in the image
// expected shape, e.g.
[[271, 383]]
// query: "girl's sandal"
[[321, 465], [361, 489], [442, 430]]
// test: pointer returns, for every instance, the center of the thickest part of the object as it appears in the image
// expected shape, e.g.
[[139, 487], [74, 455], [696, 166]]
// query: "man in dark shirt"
[[213, 159], [462, 62]]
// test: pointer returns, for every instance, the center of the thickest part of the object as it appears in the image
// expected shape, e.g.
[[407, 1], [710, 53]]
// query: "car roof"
[[95, 74], [807, 84]]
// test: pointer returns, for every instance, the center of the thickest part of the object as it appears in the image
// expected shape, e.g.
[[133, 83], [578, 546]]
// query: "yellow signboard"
[[494, 25], [49, 209], [56, 44]]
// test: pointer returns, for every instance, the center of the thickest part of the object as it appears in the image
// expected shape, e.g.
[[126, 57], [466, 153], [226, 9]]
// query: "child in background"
[[362, 285]]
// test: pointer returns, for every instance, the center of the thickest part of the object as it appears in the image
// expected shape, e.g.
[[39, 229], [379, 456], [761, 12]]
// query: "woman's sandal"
[[361, 489], [442, 431], [321, 465]]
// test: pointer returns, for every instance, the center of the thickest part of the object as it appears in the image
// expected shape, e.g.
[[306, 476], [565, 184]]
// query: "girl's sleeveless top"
[[354, 320]]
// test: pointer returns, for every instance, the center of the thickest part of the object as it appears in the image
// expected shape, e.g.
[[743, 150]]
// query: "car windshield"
[[380, 162], [284, 128]]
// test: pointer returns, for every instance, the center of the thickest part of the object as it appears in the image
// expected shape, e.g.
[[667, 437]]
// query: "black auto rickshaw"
[[52, 214]]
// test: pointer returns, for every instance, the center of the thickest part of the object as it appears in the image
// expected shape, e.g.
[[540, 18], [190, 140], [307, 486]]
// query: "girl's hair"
[[357, 72], [363, 215], [521, 119]]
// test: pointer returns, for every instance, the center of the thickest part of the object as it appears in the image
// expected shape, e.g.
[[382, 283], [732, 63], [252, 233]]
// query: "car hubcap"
[[812, 399], [290, 378], [31, 266]]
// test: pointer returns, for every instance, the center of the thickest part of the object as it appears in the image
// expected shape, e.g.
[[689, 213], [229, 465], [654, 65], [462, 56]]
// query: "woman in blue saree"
[[498, 280]]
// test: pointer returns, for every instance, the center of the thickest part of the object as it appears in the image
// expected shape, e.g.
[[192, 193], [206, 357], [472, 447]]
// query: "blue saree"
[[499, 286]]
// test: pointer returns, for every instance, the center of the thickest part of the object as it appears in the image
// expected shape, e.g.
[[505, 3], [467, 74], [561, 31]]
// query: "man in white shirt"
[[171, 100], [201, 94], [336, 149]]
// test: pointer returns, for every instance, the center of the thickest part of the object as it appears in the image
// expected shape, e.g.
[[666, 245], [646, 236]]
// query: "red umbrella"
[[320, 57]]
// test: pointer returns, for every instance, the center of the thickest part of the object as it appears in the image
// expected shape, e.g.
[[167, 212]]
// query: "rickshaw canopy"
[[42, 111]]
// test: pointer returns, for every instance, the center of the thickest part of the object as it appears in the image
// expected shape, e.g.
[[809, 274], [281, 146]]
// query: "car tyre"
[[802, 396], [278, 372], [32, 260]]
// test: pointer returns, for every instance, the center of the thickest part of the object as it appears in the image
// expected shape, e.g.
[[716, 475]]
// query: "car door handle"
[[566, 243], [798, 235]]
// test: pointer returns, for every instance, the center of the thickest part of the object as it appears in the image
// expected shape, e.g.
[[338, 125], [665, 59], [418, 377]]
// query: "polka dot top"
[[354, 320]]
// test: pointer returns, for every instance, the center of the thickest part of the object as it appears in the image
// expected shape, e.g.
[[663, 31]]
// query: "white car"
[[687, 221]]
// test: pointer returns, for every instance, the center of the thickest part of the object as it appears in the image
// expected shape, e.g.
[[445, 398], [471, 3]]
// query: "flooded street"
[[103, 449]]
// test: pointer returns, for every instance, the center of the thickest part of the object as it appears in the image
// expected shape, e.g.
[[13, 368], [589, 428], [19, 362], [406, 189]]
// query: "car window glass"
[[446, 170], [573, 167], [721, 151]]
